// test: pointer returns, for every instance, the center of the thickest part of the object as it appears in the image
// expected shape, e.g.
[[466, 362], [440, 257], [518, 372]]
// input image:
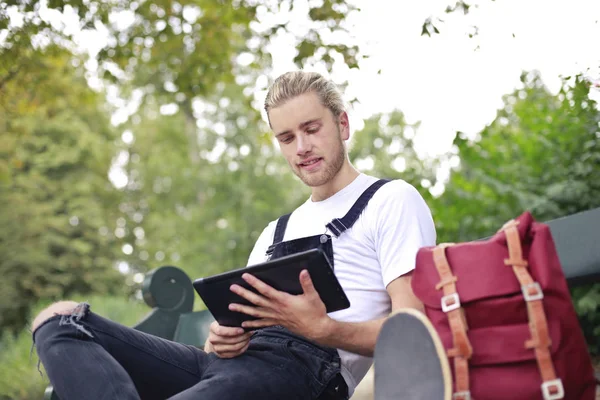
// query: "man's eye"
[[312, 129], [287, 139]]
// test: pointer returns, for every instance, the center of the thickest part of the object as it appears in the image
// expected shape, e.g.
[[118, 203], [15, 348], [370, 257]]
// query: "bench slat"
[[577, 240]]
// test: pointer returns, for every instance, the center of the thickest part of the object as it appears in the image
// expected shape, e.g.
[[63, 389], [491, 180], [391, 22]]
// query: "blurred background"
[[132, 133]]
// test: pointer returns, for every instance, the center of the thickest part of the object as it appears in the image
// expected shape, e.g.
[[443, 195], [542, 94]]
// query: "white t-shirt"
[[381, 246]]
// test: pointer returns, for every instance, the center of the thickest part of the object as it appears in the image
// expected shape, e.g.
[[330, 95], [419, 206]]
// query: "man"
[[298, 350]]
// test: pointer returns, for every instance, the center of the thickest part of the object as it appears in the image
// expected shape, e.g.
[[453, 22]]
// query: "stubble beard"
[[332, 168]]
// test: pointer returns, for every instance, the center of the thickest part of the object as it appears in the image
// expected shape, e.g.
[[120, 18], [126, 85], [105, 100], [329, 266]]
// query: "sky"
[[449, 81]]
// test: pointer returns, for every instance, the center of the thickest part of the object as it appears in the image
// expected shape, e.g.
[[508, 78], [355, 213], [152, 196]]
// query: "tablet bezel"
[[282, 274]]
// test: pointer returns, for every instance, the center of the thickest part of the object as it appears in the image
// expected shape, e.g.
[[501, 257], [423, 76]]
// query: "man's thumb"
[[306, 283]]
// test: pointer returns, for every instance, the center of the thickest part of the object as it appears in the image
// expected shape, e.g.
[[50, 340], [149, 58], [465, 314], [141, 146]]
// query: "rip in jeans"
[[72, 318]]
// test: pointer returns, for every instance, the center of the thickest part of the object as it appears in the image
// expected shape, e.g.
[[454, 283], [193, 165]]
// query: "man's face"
[[310, 138]]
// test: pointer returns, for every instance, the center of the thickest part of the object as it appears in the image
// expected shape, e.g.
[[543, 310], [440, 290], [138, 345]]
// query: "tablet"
[[282, 274]]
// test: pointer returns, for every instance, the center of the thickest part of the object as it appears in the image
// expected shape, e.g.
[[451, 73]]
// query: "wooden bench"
[[168, 290]]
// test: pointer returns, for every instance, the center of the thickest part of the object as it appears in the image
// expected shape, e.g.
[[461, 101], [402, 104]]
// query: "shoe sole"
[[410, 360]]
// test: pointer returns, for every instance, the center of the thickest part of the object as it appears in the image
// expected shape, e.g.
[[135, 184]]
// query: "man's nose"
[[303, 145]]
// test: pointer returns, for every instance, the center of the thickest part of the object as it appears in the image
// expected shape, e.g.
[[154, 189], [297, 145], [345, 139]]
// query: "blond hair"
[[296, 83]]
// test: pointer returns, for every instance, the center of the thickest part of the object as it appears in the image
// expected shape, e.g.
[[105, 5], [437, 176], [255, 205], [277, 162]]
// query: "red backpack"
[[504, 313]]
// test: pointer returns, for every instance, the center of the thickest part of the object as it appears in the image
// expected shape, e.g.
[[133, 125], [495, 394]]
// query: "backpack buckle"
[[556, 386], [527, 293], [464, 395], [450, 302]]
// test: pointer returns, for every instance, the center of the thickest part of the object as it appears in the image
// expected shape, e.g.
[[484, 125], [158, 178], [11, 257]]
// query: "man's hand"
[[227, 342], [303, 314]]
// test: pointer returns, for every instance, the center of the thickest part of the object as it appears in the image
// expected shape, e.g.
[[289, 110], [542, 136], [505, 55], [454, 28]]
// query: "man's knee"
[[58, 308]]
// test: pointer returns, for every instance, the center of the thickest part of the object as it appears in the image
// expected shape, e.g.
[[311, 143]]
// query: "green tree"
[[56, 149], [177, 52], [177, 206], [385, 148], [541, 153], [203, 216]]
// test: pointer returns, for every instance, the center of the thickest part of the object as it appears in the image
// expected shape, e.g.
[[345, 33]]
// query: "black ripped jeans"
[[90, 357]]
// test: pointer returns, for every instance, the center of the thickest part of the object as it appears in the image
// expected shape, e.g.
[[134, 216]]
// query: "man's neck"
[[344, 177]]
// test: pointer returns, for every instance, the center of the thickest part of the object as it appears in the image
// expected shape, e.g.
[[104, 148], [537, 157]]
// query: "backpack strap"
[[337, 226], [462, 349], [552, 387]]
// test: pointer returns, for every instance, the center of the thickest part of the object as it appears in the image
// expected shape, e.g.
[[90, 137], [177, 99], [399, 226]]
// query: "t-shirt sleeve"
[[403, 225], [258, 253]]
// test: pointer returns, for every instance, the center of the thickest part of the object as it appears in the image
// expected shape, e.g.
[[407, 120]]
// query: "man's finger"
[[232, 354], [217, 340], [307, 283], [257, 312], [262, 287], [229, 331], [230, 348], [260, 323], [252, 297]]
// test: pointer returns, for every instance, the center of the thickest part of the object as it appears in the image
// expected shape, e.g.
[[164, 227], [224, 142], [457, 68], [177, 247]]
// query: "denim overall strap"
[[280, 229], [279, 232], [337, 226]]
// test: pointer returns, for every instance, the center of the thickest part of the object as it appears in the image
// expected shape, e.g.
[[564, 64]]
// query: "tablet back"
[[282, 274]]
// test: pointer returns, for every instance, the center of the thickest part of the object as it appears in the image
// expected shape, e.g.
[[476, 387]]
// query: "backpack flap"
[[480, 269], [478, 266]]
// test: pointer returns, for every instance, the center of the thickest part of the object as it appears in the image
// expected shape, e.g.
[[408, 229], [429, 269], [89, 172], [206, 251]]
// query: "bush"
[[19, 377], [587, 303]]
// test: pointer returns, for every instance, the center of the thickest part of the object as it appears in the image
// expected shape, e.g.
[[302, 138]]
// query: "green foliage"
[[56, 150], [587, 304], [541, 153], [65, 224], [203, 211], [19, 377], [179, 50], [431, 25], [387, 143]]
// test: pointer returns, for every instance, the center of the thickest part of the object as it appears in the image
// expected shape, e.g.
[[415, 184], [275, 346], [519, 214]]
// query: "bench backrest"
[[577, 240]]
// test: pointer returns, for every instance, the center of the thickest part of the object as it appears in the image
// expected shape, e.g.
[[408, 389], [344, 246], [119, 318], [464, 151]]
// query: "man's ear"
[[344, 124]]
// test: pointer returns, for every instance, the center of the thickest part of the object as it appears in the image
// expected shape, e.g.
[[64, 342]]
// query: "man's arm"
[[306, 314], [402, 224], [360, 337]]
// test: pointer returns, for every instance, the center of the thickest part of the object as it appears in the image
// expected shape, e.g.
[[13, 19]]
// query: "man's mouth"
[[309, 164]]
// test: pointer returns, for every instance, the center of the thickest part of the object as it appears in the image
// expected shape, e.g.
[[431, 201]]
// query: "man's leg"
[[87, 356], [271, 368]]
